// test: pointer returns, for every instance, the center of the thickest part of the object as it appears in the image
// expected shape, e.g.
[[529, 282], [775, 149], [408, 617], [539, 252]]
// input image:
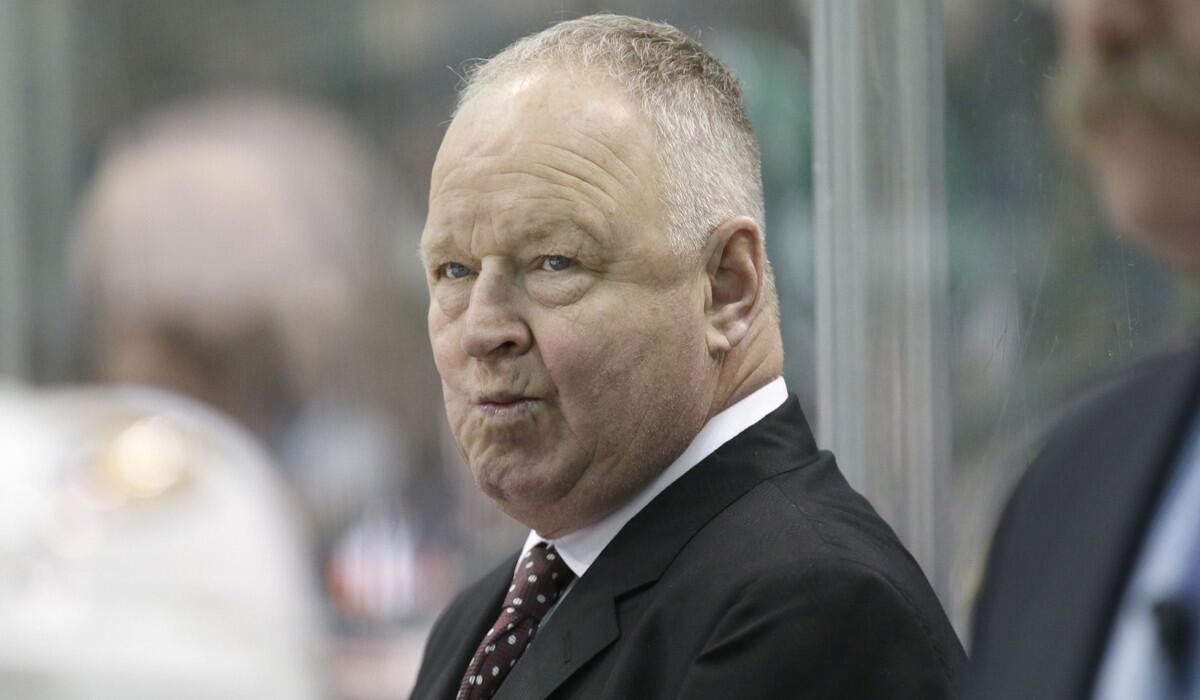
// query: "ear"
[[735, 269]]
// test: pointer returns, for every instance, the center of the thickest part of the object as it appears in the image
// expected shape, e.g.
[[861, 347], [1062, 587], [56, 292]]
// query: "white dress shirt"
[[580, 549]]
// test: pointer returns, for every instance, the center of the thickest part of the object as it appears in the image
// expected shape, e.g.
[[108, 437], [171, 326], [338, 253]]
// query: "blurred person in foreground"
[[1093, 582], [240, 248], [147, 551], [603, 318]]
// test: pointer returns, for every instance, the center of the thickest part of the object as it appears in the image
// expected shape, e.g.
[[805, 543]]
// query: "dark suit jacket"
[[759, 574], [1069, 536]]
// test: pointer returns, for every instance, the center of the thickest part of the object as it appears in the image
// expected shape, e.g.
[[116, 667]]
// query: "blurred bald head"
[[230, 248]]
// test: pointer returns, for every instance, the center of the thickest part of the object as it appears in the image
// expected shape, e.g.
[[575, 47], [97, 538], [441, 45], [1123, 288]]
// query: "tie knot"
[[540, 578]]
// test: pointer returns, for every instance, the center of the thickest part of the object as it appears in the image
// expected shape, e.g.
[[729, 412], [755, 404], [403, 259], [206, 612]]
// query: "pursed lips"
[[504, 405]]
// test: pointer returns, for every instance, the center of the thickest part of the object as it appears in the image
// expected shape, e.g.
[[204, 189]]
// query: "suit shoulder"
[[1124, 395], [1136, 404], [857, 625], [839, 521], [809, 523], [1111, 409], [1077, 509]]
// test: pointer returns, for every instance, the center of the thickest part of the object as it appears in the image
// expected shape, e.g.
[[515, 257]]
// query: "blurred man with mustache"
[[605, 326], [1093, 583]]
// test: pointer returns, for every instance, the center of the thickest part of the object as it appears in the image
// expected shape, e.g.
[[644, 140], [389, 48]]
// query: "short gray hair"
[[706, 148]]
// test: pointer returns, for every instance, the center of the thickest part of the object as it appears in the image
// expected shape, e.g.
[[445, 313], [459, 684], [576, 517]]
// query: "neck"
[[751, 365]]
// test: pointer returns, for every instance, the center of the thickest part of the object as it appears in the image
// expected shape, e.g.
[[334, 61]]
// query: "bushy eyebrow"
[[570, 228], [439, 246]]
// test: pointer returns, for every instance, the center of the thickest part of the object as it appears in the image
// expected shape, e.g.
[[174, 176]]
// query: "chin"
[[518, 485]]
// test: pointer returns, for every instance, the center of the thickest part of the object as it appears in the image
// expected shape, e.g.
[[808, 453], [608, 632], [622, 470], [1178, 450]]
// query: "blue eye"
[[455, 271], [556, 263]]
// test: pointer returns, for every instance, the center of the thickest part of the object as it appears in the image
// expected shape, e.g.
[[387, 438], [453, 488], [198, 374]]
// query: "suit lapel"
[[586, 622], [1136, 444], [465, 630]]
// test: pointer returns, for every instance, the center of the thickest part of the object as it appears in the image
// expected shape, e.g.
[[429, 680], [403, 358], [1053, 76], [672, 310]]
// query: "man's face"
[[569, 337], [1130, 99]]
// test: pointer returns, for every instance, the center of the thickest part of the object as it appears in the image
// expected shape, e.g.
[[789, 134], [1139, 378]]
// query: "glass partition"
[[947, 282]]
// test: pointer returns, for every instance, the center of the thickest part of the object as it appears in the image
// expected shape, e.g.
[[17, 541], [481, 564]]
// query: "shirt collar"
[[580, 549]]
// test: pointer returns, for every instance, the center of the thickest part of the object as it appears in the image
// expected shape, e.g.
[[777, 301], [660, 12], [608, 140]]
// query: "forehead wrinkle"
[[607, 148], [463, 166], [518, 230], [595, 172], [589, 177], [553, 172], [438, 238], [562, 203]]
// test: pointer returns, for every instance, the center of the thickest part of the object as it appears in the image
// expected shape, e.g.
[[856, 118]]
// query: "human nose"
[[492, 324]]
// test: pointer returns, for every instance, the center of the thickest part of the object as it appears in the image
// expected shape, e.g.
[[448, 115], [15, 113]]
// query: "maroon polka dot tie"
[[541, 576]]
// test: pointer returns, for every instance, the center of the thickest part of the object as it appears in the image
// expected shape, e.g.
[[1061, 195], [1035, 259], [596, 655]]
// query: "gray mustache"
[[1159, 81]]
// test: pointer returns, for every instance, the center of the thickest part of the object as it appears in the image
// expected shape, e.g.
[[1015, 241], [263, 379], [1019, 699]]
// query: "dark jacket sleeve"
[[836, 629]]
